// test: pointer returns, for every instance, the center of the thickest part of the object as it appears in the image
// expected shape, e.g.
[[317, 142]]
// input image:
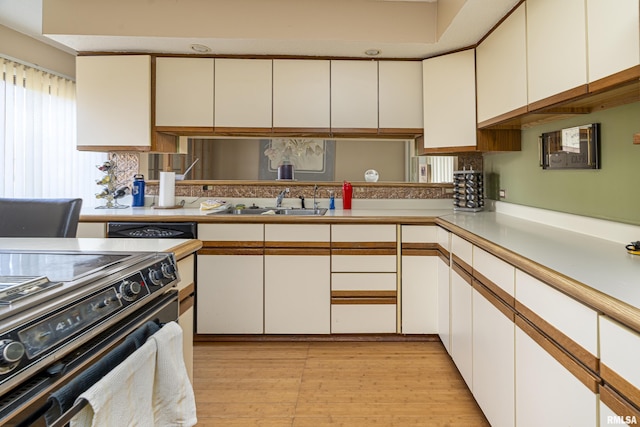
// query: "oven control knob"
[[10, 352], [168, 271], [130, 289], [155, 276]]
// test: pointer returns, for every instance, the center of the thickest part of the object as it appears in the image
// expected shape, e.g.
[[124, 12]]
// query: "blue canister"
[[138, 190]]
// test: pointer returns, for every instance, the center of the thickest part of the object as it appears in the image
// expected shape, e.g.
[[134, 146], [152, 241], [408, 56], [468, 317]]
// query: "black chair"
[[39, 217]]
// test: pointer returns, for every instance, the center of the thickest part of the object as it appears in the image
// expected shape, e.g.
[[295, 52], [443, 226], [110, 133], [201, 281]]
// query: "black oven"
[[61, 312], [152, 230]]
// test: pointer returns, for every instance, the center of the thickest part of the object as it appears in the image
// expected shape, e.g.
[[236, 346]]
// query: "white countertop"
[[601, 264]]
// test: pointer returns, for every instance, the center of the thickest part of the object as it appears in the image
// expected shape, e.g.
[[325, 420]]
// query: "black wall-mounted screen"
[[571, 148]]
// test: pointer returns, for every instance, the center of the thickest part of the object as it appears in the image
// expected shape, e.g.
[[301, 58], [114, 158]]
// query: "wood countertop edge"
[[265, 219], [599, 301], [183, 250]]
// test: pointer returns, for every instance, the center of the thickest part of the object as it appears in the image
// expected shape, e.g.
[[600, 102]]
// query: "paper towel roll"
[[167, 192]]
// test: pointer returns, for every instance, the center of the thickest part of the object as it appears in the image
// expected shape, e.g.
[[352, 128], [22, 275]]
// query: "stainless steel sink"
[[276, 211], [294, 211]]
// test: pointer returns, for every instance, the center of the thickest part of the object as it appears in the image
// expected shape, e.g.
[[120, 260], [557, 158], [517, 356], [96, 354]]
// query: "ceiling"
[[327, 28]]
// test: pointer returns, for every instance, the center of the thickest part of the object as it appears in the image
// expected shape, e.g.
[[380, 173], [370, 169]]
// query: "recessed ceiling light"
[[372, 52], [200, 48]]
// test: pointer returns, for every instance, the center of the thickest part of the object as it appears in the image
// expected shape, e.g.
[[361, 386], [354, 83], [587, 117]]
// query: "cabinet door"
[[613, 36], [243, 93], [619, 355], [547, 394], [301, 93], [449, 92], [113, 99], [184, 92], [91, 229], [501, 68], [556, 47], [444, 304], [354, 95], [400, 95], [419, 294], [230, 294], [297, 294], [493, 360], [461, 324]]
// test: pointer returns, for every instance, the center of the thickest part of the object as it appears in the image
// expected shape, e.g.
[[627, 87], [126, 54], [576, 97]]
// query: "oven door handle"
[[67, 416]]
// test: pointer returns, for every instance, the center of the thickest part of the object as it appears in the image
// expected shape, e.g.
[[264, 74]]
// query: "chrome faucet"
[[315, 192], [281, 196]]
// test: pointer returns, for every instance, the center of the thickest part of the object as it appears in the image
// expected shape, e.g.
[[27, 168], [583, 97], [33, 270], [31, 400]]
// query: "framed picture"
[[312, 159]]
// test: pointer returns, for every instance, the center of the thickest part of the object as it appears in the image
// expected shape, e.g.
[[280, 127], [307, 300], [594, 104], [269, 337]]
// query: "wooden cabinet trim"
[[460, 262], [420, 252], [621, 385], [371, 251], [617, 403], [363, 245], [186, 304], [444, 258], [461, 272], [231, 251], [232, 244], [573, 348], [495, 289], [364, 297], [577, 370], [300, 245], [297, 251], [187, 291], [486, 293], [504, 117], [419, 246], [568, 95], [622, 77]]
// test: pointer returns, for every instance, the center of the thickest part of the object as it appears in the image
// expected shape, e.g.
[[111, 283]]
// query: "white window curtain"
[[38, 153], [442, 168]]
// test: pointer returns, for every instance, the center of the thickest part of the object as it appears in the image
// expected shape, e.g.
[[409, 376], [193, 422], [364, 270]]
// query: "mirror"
[[571, 148], [314, 160]]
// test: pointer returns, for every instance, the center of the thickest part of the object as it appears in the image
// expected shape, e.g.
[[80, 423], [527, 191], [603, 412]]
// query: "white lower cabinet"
[[363, 303], [296, 294], [547, 394], [493, 361], [230, 294], [461, 324], [419, 294], [444, 302]]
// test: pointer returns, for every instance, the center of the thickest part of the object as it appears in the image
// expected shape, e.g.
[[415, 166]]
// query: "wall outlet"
[[207, 187], [502, 193]]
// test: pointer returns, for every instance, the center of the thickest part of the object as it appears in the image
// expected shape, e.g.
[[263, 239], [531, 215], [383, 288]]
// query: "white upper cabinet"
[[354, 94], [243, 93], [113, 99], [556, 47], [449, 87], [613, 34], [400, 95], [501, 67], [184, 92], [301, 93]]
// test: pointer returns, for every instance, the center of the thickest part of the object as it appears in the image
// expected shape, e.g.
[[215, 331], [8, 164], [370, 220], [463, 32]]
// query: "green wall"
[[612, 192]]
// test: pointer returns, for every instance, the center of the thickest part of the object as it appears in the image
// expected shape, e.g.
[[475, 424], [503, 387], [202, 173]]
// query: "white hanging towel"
[[124, 397], [174, 403]]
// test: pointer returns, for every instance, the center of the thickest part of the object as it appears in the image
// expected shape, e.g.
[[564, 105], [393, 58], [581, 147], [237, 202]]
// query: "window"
[[38, 155]]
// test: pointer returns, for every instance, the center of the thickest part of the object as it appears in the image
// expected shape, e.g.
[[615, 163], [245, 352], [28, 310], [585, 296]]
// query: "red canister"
[[347, 192]]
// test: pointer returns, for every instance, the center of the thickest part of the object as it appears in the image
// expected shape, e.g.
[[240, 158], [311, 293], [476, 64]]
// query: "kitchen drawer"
[[363, 281], [231, 232], [297, 233], [571, 324], [419, 234], [363, 233], [443, 238], [462, 251], [495, 274], [619, 355], [363, 318], [363, 263]]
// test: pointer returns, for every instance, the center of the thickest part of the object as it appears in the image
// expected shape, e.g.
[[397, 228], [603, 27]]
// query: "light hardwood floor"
[[315, 384]]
